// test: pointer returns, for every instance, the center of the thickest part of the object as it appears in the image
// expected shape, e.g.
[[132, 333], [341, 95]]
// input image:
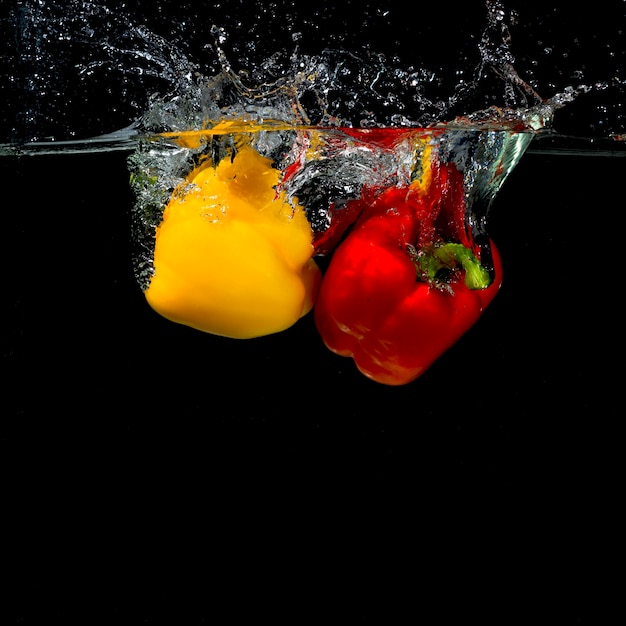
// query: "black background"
[[151, 473]]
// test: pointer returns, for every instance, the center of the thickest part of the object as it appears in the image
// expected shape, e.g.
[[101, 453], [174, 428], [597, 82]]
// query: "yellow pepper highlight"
[[232, 257]]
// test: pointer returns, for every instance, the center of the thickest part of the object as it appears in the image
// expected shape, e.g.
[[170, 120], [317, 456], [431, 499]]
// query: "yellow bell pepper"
[[232, 256]]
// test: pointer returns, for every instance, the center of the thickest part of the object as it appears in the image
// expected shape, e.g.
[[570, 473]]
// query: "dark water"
[[122, 432], [134, 446]]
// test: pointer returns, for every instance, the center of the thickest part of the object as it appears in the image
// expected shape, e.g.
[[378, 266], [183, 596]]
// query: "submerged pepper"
[[232, 256], [406, 282]]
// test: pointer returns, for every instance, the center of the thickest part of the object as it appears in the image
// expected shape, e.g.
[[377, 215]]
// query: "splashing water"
[[91, 70]]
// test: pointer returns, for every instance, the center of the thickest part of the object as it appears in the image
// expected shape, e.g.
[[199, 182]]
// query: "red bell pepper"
[[406, 282]]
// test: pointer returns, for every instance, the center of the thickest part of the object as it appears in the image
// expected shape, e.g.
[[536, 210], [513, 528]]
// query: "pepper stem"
[[448, 257]]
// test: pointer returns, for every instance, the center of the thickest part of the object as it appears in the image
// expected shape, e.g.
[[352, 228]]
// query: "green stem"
[[450, 256]]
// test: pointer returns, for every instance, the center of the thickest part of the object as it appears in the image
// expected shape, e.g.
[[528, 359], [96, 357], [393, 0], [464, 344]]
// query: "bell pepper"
[[406, 282], [232, 256]]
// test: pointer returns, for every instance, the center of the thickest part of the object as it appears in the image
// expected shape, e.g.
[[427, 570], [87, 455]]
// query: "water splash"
[[80, 69], [85, 70]]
